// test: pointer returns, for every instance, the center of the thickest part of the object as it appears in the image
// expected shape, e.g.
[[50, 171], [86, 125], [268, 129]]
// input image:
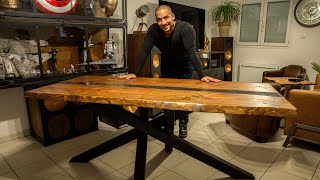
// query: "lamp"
[[142, 12]]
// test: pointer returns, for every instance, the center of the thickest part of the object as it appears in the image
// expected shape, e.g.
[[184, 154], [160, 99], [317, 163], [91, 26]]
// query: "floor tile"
[[170, 175], [237, 137], [194, 169], [25, 158], [59, 148], [198, 124], [4, 166], [167, 160], [63, 159], [59, 176], [31, 160], [202, 137], [255, 168], [218, 128], [17, 145], [118, 158], [227, 156], [258, 155], [109, 132], [88, 140], [229, 145], [220, 175], [302, 153], [115, 176], [273, 174], [274, 144], [9, 176], [151, 147], [39, 170], [152, 170], [294, 166], [95, 169], [316, 175]]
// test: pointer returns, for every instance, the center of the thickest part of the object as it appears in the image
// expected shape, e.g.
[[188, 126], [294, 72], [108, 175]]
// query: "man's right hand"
[[128, 76]]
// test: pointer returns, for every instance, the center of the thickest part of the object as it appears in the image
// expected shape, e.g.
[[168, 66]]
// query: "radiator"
[[252, 72]]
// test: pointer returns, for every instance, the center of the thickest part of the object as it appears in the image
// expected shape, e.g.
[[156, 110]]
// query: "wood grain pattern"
[[285, 81], [174, 94]]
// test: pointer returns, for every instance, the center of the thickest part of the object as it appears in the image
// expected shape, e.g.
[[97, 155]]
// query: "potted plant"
[[224, 14], [316, 67]]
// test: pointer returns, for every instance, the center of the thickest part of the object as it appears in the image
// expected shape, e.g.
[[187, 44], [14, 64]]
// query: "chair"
[[306, 125], [287, 71], [258, 128]]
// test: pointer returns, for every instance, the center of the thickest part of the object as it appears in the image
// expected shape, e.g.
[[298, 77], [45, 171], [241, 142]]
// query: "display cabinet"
[[42, 39], [44, 42]]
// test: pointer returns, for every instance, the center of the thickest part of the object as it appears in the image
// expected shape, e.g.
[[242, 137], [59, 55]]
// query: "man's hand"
[[209, 79], [128, 76]]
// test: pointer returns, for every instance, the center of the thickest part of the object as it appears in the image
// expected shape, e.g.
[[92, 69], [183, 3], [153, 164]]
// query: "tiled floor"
[[25, 158]]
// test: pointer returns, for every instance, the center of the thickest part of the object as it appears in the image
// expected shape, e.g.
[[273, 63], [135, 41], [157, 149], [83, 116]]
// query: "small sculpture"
[[109, 50], [53, 61], [206, 43]]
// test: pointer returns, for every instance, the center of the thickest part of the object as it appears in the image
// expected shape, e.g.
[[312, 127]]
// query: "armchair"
[[307, 123], [287, 71]]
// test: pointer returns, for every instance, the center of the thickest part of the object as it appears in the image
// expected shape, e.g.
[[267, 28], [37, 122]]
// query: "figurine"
[[53, 62], [206, 43], [109, 50]]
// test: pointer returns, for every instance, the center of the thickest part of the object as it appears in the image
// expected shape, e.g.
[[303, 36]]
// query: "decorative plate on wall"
[[307, 13]]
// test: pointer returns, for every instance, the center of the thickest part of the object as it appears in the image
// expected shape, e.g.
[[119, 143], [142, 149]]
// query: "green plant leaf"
[[316, 66], [226, 11]]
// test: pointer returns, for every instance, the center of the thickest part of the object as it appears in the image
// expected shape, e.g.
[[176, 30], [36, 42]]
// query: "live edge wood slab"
[[171, 94]]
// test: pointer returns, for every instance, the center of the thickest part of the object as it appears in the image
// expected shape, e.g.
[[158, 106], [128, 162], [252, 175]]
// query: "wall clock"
[[307, 13]]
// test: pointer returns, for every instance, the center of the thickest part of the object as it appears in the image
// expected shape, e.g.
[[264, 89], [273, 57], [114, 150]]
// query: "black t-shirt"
[[178, 52]]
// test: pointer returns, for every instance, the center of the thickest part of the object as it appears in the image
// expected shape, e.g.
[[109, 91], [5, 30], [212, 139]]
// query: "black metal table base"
[[142, 128]]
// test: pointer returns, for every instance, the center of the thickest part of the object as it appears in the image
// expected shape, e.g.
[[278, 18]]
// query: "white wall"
[[303, 46], [153, 4], [13, 114]]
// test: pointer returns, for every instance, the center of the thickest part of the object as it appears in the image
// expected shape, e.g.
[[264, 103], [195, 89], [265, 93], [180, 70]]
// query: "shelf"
[[211, 52], [79, 37]]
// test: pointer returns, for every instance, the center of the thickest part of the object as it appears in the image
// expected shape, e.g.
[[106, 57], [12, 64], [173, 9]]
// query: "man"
[[176, 41]]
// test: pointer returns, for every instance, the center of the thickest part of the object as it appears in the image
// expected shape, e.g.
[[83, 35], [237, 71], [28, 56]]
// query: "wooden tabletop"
[[173, 94], [285, 81]]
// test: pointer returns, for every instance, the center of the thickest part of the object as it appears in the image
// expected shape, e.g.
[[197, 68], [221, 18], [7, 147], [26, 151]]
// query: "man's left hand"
[[209, 79]]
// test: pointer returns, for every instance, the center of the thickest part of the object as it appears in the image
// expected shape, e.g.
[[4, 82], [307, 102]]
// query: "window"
[[265, 22]]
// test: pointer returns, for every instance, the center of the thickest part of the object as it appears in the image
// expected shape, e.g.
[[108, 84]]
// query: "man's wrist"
[[201, 74]]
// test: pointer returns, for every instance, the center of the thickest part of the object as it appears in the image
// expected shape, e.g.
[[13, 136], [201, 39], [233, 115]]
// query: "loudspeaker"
[[155, 57], [224, 44], [152, 67], [135, 42]]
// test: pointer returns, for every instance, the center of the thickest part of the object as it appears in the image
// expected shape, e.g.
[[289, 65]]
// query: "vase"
[[317, 82], [224, 28]]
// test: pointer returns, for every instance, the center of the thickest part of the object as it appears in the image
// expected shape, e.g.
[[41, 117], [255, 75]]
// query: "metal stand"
[[300, 126], [142, 128]]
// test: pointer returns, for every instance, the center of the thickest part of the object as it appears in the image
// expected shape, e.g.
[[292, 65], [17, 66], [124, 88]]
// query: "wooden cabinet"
[[40, 48]]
